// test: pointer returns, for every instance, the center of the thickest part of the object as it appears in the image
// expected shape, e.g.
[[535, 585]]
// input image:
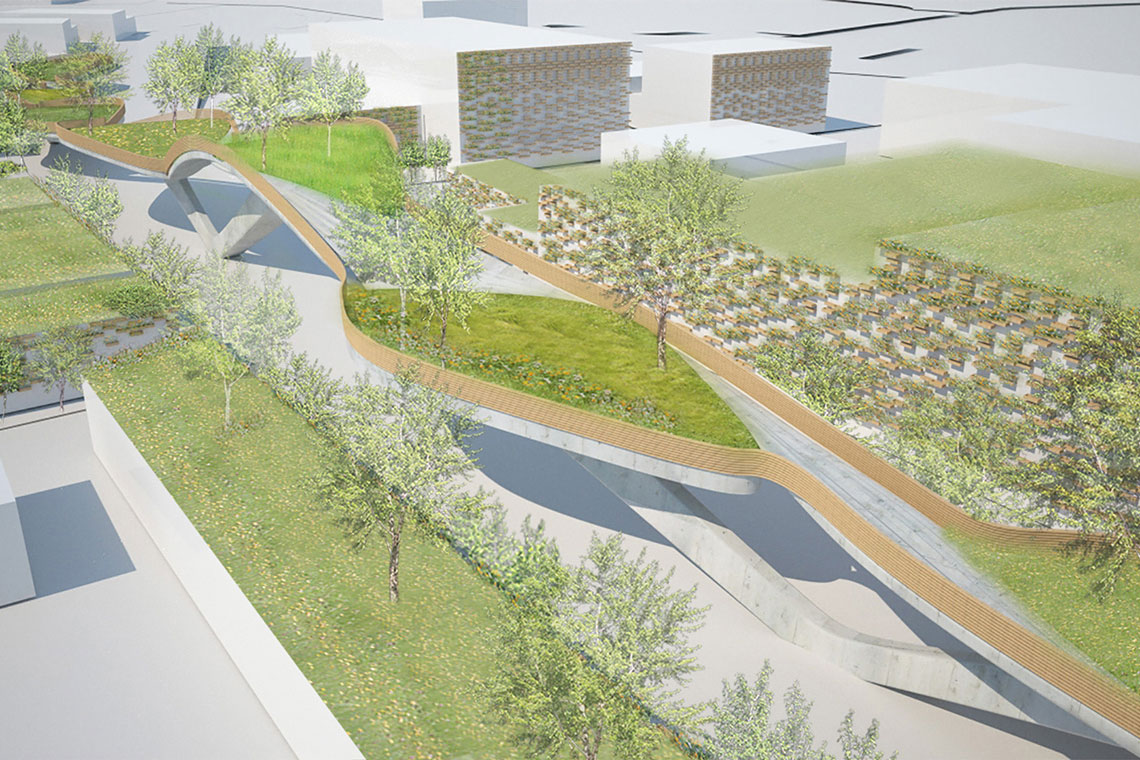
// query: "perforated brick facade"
[[782, 88], [545, 104]]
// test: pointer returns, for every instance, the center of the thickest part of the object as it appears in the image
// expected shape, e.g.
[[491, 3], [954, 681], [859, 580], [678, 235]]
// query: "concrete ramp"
[[15, 571]]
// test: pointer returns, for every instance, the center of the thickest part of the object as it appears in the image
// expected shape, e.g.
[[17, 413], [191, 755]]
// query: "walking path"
[[532, 478]]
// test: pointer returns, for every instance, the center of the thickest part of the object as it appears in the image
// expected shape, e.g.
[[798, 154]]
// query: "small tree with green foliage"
[[216, 72], [332, 91], [634, 627], [251, 323], [167, 264], [447, 236], [404, 460], [966, 448], [817, 373], [1089, 478], [554, 701], [437, 155], [663, 228], [174, 77], [265, 89], [742, 729], [62, 355], [27, 58], [380, 248], [13, 372], [94, 72]]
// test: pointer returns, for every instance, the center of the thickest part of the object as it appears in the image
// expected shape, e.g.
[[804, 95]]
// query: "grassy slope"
[[55, 307], [400, 678], [42, 245], [524, 182], [570, 334], [1055, 585], [154, 138], [1091, 250], [68, 113], [298, 155], [837, 215]]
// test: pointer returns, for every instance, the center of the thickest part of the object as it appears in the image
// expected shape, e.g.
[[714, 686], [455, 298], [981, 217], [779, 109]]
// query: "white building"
[[1070, 116], [766, 80], [539, 96], [737, 147]]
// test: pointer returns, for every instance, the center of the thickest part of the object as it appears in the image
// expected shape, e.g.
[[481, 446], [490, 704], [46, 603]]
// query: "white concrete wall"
[[16, 582], [298, 712], [112, 24], [782, 161], [676, 88], [55, 34]]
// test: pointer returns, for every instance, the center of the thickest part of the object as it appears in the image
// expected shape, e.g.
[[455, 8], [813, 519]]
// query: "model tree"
[[93, 73], [12, 372], [26, 58], [61, 356], [447, 236], [663, 229], [554, 701], [635, 628], [265, 89], [251, 323], [404, 461], [174, 76], [332, 91], [216, 73], [437, 155], [380, 248], [1088, 478]]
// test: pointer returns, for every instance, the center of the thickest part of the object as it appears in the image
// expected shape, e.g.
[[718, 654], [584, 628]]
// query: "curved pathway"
[[318, 293]]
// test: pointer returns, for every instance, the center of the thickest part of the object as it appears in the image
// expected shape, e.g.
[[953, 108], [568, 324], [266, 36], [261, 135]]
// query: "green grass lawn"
[[606, 349], [42, 243], [401, 678], [68, 113], [40, 94], [154, 138], [25, 313], [298, 155], [1090, 250], [837, 215], [1055, 584]]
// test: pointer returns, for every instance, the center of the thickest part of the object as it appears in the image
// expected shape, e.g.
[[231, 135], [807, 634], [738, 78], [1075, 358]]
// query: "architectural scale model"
[[569, 378]]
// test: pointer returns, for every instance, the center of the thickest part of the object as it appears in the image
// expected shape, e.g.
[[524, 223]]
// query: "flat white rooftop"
[[757, 44], [723, 138], [461, 35]]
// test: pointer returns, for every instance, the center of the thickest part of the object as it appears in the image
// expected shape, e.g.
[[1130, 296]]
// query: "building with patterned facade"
[[539, 96], [763, 80]]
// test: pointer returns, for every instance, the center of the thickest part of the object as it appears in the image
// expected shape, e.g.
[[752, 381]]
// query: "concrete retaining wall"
[[299, 713]]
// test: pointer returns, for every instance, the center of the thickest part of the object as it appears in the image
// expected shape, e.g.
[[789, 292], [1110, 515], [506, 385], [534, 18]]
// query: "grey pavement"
[[532, 478], [111, 659]]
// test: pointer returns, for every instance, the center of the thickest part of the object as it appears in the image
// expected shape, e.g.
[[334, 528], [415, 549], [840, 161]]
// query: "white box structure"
[[54, 33], [736, 147], [535, 95], [1070, 116], [765, 80], [112, 24]]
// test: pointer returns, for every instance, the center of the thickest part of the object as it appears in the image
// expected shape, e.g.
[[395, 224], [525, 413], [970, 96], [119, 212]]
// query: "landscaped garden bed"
[[297, 154], [569, 352], [154, 138]]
